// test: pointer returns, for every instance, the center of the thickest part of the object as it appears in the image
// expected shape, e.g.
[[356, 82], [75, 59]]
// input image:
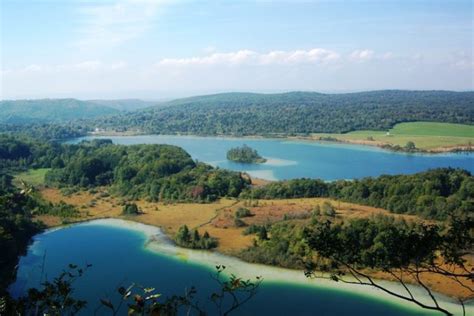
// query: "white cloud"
[[362, 55], [249, 57], [109, 25]]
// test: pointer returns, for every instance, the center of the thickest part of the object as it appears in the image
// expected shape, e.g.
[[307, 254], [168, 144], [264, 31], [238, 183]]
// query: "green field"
[[33, 176], [425, 135]]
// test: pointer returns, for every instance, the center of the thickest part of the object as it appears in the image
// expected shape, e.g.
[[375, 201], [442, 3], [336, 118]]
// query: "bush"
[[130, 209], [328, 209], [239, 223], [242, 212]]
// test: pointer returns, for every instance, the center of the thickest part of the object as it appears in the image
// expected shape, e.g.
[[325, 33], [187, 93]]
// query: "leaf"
[[149, 289], [152, 297], [107, 303]]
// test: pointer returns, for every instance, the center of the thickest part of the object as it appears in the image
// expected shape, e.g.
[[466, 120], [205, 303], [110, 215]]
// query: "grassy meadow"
[[32, 176], [425, 135]]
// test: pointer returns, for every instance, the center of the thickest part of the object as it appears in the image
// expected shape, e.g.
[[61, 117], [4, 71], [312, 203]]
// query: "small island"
[[245, 154]]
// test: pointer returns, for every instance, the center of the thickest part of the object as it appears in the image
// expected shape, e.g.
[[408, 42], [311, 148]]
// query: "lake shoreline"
[[158, 241], [360, 142]]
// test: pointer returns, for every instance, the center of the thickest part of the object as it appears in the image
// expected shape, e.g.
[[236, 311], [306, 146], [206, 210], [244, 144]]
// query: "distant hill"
[[298, 112], [50, 110], [127, 104]]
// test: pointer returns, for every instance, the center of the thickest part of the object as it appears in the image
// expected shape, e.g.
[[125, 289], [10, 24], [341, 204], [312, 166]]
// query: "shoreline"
[[360, 142], [169, 217], [158, 242]]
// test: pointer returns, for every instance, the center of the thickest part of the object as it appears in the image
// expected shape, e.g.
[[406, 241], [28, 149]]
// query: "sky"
[[158, 49]]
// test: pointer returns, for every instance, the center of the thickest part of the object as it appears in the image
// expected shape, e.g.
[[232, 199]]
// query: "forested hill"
[[127, 104], [298, 112], [50, 110]]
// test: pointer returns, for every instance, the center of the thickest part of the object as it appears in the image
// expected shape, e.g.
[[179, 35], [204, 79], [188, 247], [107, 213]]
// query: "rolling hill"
[[50, 111], [297, 112]]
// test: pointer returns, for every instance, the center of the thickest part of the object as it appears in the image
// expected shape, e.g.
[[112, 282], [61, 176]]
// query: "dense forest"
[[345, 249], [432, 194], [245, 154], [46, 131], [297, 112], [50, 110], [155, 172]]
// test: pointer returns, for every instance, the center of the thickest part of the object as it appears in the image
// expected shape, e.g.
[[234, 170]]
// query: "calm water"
[[298, 159], [119, 258]]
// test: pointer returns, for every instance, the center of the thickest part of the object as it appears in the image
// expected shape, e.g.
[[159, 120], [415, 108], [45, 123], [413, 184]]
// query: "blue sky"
[[162, 49]]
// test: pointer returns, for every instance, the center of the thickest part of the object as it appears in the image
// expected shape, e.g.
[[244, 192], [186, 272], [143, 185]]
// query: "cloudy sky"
[[160, 49]]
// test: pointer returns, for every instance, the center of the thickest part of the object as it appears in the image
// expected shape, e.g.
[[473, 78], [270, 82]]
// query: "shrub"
[[242, 212]]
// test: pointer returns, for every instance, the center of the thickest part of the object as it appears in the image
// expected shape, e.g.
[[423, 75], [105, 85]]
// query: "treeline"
[[432, 194], [187, 239], [45, 132], [379, 242], [297, 112]]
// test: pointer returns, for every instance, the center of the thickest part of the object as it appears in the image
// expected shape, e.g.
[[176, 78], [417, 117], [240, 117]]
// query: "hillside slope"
[[298, 112], [50, 110]]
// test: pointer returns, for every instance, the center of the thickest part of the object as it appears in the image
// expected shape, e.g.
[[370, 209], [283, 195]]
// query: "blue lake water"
[[119, 257], [298, 159]]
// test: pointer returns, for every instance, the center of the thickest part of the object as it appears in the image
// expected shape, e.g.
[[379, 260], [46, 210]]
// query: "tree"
[[183, 235], [405, 251], [262, 234], [410, 146], [130, 209]]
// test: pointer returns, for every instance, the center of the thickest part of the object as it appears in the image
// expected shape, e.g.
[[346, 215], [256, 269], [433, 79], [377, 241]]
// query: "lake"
[[304, 159], [120, 254]]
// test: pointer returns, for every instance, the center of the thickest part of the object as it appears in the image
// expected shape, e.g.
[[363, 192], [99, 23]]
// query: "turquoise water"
[[299, 159], [119, 258]]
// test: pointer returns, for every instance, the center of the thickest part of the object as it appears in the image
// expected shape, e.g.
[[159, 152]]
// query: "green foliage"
[[405, 250], [380, 242], [185, 238], [16, 227], [297, 112], [328, 209], [244, 154], [130, 209], [297, 188], [155, 172], [432, 194], [45, 132], [253, 229], [242, 212], [285, 247], [410, 146], [50, 110]]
